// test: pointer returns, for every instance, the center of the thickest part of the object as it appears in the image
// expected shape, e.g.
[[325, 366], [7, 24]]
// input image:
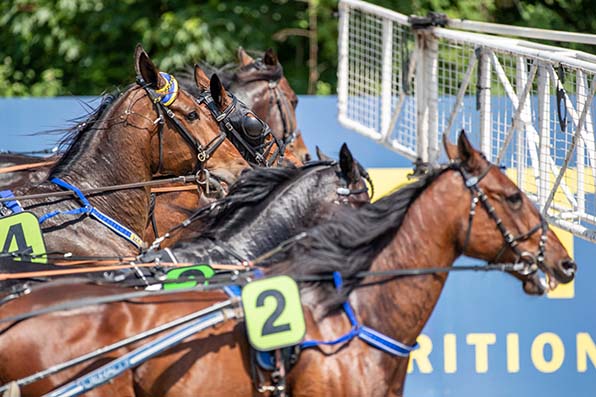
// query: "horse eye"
[[192, 116], [514, 200]]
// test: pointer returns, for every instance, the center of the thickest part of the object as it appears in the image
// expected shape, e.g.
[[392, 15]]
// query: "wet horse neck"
[[111, 152], [117, 153]]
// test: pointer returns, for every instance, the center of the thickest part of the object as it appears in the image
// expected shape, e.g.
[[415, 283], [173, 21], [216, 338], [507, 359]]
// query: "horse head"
[[505, 226], [263, 86]]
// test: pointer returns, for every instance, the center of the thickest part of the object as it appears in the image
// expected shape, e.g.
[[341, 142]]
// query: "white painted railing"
[[528, 106]]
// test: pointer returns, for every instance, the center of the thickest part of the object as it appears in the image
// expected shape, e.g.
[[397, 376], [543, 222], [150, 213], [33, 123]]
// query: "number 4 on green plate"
[[273, 313]]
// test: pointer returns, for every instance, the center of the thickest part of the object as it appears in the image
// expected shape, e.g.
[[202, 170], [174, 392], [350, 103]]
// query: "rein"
[[135, 185], [24, 167]]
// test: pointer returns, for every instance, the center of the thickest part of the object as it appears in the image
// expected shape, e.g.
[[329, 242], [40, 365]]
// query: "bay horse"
[[257, 84], [283, 201], [424, 225], [133, 137]]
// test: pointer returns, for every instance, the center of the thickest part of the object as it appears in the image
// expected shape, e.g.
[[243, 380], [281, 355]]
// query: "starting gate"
[[405, 81]]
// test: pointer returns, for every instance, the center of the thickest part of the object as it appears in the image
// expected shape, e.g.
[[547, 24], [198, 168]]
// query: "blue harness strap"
[[368, 335], [9, 207], [88, 209]]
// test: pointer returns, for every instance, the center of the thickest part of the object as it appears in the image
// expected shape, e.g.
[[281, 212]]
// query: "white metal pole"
[[431, 66], [520, 126], [544, 133], [386, 77], [421, 101], [484, 93], [582, 93], [342, 66]]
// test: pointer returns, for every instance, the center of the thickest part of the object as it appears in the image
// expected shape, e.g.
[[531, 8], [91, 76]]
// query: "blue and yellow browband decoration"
[[169, 92]]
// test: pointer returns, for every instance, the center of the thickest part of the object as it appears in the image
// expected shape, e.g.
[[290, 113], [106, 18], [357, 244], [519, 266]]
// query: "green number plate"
[[21, 233], [200, 272], [273, 311]]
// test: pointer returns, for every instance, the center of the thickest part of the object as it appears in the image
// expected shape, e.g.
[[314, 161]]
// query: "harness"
[[88, 209], [9, 207]]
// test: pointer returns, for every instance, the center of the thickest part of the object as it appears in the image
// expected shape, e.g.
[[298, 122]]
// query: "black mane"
[[251, 189], [350, 242]]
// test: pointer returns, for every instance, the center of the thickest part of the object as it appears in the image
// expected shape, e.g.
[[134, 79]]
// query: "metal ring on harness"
[[204, 181]]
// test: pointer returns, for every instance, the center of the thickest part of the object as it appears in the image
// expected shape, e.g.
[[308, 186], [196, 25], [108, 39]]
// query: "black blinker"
[[252, 126]]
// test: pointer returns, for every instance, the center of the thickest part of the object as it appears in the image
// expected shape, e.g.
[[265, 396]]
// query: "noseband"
[[533, 261]]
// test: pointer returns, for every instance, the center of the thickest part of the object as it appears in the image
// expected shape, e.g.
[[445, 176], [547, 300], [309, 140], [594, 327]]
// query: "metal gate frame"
[[559, 184]]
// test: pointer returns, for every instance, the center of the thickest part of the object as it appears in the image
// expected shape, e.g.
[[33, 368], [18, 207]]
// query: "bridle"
[[162, 99], [229, 121], [279, 99], [344, 190], [252, 145], [533, 262]]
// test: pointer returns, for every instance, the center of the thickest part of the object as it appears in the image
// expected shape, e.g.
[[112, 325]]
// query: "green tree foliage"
[[83, 47]]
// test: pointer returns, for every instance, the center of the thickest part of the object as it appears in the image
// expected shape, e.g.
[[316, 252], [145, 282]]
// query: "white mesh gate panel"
[[528, 106]]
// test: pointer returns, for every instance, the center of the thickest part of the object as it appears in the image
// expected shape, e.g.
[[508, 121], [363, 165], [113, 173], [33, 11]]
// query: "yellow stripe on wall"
[[386, 180]]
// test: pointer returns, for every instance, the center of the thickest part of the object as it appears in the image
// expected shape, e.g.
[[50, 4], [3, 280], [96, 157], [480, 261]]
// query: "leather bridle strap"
[[478, 195], [203, 152]]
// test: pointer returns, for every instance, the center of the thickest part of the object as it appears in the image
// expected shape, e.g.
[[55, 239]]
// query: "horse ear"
[[145, 68], [218, 92], [201, 79], [450, 148], [322, 156], [347, 163], [243, 57], [270, 58], [469, 156]]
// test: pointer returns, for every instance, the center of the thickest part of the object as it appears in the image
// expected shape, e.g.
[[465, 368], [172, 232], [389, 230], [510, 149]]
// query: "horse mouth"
[[548, 279]]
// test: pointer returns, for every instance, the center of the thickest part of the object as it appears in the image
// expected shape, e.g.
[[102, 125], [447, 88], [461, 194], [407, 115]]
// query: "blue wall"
[[473, 307]]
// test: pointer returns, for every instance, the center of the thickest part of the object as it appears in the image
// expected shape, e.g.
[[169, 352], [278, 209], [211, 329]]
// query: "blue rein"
[[88, 209], [368, 335]]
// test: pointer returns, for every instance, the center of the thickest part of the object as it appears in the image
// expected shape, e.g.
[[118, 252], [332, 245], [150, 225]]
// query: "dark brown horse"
[[423, 225], [132, 137], [262, 85]]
